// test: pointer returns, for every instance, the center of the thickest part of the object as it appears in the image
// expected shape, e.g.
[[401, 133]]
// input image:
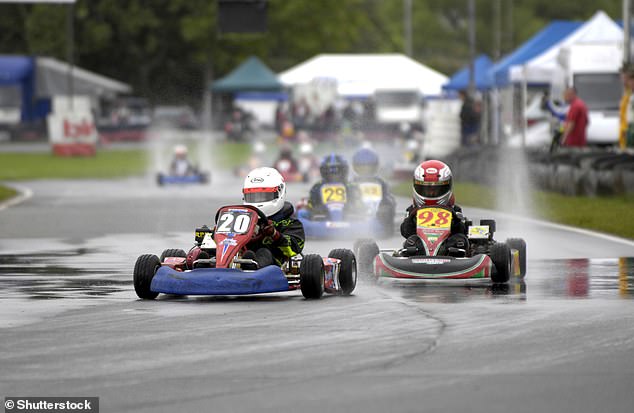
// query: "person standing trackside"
[[469, 119], [624, 104], [576, 120]]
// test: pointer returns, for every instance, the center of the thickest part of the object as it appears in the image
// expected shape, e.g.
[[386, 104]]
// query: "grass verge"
[[6, 193], [105, 165], [605, 214]]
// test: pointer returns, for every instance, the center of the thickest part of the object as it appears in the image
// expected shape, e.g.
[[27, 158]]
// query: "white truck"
[[593, 69], [399, 107]]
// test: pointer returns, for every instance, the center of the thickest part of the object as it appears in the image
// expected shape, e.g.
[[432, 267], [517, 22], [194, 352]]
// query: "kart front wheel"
[[173, 252], [501, 256], [144, 270], [347, 270], [519, 245], [311, 276]]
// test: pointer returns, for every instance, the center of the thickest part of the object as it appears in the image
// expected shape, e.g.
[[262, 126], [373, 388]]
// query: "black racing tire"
[[490, 223], [347, 270], [173, 252], [367, 251], [520, 245], [501, 256], [311, 276], [144, 270]]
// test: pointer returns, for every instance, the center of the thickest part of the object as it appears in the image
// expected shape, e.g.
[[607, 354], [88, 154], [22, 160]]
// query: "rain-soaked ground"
[[57, 275], [70, 321]]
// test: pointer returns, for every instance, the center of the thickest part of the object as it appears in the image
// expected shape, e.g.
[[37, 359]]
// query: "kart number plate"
[[233, 221], [371, 191], [479, 232], [433, 218], [208, 241], [333, 194]]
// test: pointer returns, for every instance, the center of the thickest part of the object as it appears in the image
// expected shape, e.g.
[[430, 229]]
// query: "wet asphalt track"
[[70, 323]]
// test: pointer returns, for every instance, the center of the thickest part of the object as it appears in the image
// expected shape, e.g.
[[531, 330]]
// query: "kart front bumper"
[[219, 281], [433, 268]]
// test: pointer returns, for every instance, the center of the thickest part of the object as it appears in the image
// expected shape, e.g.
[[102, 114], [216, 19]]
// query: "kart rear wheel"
[[144, 270], [347, 270], [173, 252], [311, 276], [367, 251], [520, 245], [501, 256]]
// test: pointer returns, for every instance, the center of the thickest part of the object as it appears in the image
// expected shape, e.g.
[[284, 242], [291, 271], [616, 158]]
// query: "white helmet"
[[265, 189]]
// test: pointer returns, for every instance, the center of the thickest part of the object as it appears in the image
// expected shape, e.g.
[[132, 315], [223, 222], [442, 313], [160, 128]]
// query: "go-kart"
[[485, 259], [192, 177], [336, 219], [219, 265]]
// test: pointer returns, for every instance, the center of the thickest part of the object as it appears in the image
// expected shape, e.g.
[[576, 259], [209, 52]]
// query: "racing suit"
[[457, 239], [285, 241], [352, 198], [181, 167], [385, 210]]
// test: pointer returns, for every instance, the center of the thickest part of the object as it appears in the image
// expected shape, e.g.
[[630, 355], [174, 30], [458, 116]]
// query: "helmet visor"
[[432, 190], [258, 195]]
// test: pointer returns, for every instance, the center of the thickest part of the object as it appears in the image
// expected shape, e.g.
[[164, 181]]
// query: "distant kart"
[[486, 259], [218, 269], [334, 220], [288, 170], [194, 178]]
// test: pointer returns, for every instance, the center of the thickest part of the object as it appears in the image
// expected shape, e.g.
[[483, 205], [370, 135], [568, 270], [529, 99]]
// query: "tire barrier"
[[568, 171]]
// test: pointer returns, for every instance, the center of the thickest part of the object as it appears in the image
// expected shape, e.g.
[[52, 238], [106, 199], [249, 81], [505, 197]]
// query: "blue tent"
[[460, 79], [20, 71], [542, 41]]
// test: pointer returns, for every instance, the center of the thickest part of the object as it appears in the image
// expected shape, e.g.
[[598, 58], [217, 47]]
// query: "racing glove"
[[270, 231]]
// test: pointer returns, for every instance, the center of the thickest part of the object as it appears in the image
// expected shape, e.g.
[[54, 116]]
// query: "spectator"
[[624, 105], [469, 120], [628, 139], [576, 120]]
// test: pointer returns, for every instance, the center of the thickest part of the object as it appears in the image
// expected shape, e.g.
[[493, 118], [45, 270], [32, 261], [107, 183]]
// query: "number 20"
[[240, 223]]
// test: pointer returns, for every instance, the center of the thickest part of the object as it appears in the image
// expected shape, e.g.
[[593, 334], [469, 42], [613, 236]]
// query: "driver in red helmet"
[[432, 186]]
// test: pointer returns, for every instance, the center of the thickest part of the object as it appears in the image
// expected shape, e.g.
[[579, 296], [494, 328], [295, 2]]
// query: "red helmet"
[[433, 184]]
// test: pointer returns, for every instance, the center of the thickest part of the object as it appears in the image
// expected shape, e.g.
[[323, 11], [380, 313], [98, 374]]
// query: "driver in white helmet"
[[283, 237], [180, 165], [433, 186]]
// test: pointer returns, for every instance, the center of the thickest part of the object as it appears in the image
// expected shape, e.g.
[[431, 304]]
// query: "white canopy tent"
[[359, 75], [600, 29]]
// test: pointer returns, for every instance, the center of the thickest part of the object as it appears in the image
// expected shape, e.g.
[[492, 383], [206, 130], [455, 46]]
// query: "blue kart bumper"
[[342, 229], [219, 281], [187, 179]]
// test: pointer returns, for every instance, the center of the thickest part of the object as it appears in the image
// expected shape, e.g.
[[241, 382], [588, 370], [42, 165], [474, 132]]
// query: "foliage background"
[[165, 47]]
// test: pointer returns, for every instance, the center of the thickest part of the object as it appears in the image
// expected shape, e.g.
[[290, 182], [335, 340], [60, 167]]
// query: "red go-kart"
[[484, 259], [218, 267]]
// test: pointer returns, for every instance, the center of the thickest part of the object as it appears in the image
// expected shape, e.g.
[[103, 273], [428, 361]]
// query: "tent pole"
[[627, 15], [407, 25], [472, 40], [524, 98], [70, 51]]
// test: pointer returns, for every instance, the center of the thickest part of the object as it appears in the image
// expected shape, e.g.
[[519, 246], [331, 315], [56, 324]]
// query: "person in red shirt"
[[576, 120]]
